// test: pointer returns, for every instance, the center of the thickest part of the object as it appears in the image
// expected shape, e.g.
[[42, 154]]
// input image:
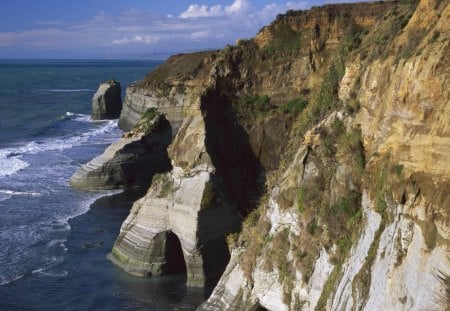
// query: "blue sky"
[[130, 28]]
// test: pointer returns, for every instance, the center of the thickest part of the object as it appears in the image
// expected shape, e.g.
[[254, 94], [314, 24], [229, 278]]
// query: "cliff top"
[[289, 33], [179, 66]]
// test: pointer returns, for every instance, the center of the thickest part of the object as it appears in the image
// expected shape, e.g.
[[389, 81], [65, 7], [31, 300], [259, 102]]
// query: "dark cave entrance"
[[175, 262]]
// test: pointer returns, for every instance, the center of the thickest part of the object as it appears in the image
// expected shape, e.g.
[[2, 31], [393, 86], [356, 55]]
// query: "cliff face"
[[325, 140], [386, 244]]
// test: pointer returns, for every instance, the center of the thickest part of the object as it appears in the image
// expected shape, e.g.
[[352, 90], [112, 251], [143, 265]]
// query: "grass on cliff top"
[[178, 66], [284, 40]]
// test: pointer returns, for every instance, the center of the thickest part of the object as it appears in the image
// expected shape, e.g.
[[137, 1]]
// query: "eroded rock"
[[107, 101], [132, 161]]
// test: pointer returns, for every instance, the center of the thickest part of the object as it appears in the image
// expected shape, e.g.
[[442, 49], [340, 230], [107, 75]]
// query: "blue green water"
[[53, 245]]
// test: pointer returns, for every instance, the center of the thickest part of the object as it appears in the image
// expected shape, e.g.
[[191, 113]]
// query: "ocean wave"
[[6, 281], [6, 194], [10, 164], [77, 117], [11, 192], [58, 275], [10, 158]]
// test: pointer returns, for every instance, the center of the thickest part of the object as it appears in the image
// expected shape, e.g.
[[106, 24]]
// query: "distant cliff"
[[310, 166]]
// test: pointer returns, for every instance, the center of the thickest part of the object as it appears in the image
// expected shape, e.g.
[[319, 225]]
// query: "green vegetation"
[[380, 189], [178, 66], [208, 197], [343, 220], [350, 146], [361, 282], [149, 121], [276, 256], [398, 168], [254, 236], [383, 35], [150, 114], [165, 184], [252, 105], [300, 199], [326, 98], [295, 105], [232, 239], [284, 40], [329, 287]]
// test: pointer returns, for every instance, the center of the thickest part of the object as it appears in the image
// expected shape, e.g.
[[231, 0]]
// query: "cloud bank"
[[142, 31]]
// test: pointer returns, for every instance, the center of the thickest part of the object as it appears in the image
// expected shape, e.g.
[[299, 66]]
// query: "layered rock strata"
[[397, 258], [107, 101], [132, 161]]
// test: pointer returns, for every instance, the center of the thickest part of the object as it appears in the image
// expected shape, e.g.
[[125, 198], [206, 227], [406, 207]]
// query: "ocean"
[[53, 243]]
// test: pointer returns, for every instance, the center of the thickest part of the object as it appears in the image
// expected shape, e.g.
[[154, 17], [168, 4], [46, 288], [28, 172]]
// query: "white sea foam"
[[9, 165], [56, 242], [78, 116], [11, 158], [11, 192], [58, 275]]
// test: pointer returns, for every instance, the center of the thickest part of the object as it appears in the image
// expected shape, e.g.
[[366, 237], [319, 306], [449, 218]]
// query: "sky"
[[130, 28]]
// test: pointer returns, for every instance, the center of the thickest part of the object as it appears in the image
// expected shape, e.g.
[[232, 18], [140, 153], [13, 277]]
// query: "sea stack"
[[107, 101]]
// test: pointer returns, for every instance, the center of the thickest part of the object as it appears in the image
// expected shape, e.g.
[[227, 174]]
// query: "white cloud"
[[196, 10], [132, 30], [119, 41], [199, 35], [145, 39], [237, 7], [269, 11]]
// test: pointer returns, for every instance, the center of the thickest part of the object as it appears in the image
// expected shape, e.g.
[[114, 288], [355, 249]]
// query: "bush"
[[294, 106], [149, 120], [398, 169], [284, 40], [251, 105], [350, 146]]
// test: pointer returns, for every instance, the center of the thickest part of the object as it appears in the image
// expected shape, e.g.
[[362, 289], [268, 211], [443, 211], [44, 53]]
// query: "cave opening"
[[175, 262]]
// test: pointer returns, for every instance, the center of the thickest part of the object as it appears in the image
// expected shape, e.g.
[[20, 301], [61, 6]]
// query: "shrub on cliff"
[[149, 120]]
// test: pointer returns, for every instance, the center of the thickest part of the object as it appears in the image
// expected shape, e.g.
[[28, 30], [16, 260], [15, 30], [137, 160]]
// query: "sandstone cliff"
[[351, 225], [320, 148], [107, 101]]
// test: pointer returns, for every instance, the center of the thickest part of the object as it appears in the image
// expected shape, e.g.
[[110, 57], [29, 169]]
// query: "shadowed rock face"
[[107, 101], [130, 162]]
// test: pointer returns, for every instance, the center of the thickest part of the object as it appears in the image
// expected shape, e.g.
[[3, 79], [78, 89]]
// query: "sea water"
[[53, 244]]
